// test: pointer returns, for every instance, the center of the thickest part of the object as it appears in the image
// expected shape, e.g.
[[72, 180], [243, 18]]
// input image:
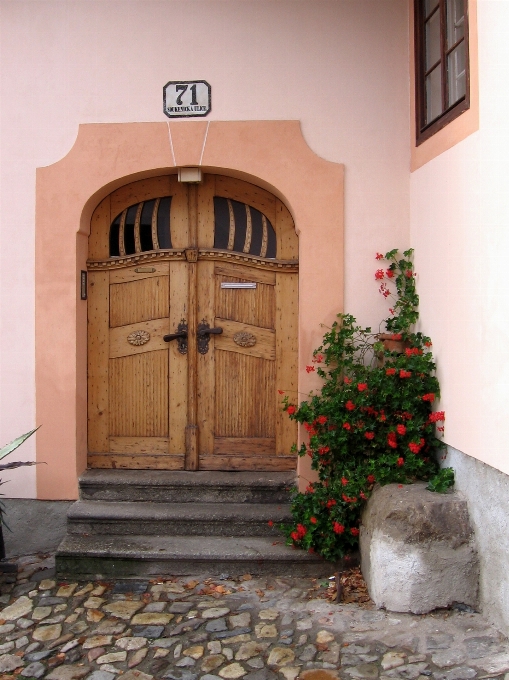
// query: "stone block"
[[418, 550]]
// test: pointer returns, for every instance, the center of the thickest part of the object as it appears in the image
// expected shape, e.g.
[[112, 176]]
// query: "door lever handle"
[[204, 331], [180, 336], [209, 331], [174, 336]]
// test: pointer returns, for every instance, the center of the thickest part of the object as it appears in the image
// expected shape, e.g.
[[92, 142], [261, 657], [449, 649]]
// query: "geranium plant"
[[372, 421]]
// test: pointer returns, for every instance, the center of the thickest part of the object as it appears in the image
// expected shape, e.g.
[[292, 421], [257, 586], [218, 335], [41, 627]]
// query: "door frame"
[[271, 154]]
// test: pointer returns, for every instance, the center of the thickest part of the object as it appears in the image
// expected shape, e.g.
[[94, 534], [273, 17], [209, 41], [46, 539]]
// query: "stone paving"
[[269, 628]]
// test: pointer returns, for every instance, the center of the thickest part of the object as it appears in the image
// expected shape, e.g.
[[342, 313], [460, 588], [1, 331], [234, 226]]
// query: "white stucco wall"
[[459, 228], [340, 67]]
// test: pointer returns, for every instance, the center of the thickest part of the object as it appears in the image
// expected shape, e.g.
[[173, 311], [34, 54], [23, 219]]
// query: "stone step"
[[202, 486], [113, 556], [176, 519]]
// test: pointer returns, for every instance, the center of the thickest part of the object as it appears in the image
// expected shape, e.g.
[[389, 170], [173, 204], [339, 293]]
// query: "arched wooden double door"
[[192, 319]]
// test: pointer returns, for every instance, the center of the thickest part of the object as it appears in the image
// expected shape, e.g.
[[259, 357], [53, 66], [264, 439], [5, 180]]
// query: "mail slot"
[[233, 284]]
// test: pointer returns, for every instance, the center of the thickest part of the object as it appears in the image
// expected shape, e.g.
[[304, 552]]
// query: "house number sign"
[[186, 99]]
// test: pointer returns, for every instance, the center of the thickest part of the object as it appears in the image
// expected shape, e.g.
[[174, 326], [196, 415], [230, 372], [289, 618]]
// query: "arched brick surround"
[[271, 154]]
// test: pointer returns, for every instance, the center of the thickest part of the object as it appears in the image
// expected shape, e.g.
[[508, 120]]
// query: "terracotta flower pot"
[[391, 344]]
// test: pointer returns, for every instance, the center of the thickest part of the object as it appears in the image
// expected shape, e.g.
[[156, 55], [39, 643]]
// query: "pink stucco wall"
[[337, 66], [459, 215]]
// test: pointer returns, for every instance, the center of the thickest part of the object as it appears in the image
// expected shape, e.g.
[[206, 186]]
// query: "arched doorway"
[[192, 327]]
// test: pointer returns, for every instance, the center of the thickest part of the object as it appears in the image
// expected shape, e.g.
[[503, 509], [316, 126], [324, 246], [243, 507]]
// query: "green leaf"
[[9, 448]]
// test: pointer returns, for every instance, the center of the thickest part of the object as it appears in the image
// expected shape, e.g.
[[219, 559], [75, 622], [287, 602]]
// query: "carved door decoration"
[[192, 327]]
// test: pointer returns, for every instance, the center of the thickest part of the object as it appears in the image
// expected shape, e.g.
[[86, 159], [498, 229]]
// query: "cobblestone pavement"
[[267, 628]]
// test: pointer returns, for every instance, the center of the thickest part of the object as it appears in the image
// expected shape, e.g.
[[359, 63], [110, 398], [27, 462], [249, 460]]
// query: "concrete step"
[[186, 487], [176, 519], [113, 556]]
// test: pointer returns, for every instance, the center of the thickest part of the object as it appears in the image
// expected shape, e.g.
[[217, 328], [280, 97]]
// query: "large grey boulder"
[[417, 549]]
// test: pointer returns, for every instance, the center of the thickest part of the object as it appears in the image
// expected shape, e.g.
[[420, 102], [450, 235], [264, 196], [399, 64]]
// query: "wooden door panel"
[[139, 300], [245, 396], [287, 317], [139, 395], [121, 347], [252, 306], [248, 446], [265, 346], [98, 360], [242, 273], [137, 445], [152, 406]]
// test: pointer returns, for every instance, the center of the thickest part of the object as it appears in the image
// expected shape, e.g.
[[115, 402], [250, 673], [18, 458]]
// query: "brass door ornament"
[[138, 338], [244, 339]]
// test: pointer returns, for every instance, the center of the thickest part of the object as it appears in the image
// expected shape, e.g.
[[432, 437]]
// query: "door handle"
[[180, 336], [209, 331], [204, 332]]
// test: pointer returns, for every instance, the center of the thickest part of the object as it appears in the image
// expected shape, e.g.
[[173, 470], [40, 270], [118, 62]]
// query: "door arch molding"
[[270, 154]]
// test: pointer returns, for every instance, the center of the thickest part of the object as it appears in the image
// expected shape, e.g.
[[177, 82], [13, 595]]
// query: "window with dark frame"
[[441, 58]]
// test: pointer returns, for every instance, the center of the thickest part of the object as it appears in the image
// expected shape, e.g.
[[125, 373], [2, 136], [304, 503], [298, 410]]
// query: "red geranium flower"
[[428, 397], [291, 410], [401, 429], [337, 528], [405, 374], [344, 481], [391, 440], [322, 420], [318, 358], [301, 530], [280, 392], [369, 435], [409, 273], [346, 380], [362, 386], [323, 450], [390, 273], [390, 371], [435, 417], [379, 274], [371, 479], [350, 405], [310, 368], [354, 531], [347, 426], [312, 520], [428, 343], [331, 502], [414, 448], [400, 462], [379, 256], [295, 536], [310, 489]]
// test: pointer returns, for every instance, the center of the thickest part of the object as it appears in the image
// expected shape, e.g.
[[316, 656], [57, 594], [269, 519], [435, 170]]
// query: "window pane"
[[455, 21], [457, 81], [434, 94], [429, 6], [432, 40]]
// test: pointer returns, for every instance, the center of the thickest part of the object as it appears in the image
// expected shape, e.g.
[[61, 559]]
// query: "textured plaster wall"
[[339, 67], [489, 515], [459, 213]]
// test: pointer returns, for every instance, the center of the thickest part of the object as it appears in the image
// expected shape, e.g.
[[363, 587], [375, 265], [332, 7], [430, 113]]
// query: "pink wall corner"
[[272, 154]]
